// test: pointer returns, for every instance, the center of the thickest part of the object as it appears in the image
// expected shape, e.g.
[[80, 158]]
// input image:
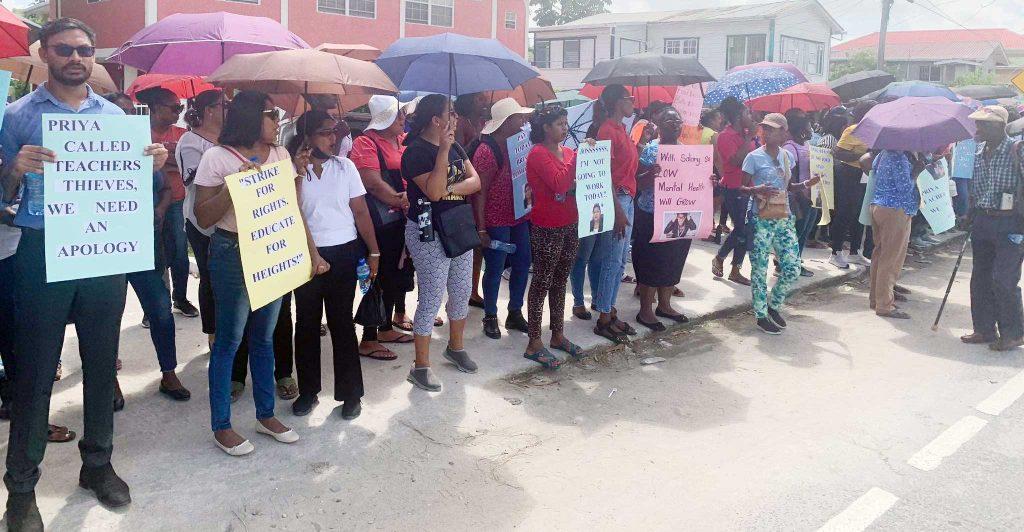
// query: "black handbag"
[[456, 228], [382, 214], [371, 309]]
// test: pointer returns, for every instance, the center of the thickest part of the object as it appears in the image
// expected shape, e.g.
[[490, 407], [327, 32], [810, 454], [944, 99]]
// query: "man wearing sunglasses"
[[44, 309]]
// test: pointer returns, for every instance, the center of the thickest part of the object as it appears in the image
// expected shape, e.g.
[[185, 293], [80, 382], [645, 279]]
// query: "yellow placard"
[[1018, 81], [271, 235]]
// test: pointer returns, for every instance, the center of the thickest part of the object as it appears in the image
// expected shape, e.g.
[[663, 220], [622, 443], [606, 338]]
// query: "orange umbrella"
[[808, 97], [13, 35], [642, 96], [363, 52], [30, 69], [182, 86], [302, 71], [534, 91]]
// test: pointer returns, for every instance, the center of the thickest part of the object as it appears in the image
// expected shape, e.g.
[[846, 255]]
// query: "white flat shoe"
[[241, 449], [288, 436]]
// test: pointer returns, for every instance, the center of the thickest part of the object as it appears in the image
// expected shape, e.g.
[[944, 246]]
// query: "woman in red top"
[[614, 106], [551, 173]]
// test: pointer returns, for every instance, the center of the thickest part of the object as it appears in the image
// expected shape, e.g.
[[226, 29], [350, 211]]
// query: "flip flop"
[[59, 434], [402, 339], [544, 358], [372, 354], [572, 349], [404, 325]]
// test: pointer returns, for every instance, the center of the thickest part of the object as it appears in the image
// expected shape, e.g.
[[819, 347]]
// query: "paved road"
[[847, 420]]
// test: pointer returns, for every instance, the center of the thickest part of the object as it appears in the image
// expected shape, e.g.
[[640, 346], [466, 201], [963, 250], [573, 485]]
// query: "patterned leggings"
[[554, 252], [434, 273], [780, 236]]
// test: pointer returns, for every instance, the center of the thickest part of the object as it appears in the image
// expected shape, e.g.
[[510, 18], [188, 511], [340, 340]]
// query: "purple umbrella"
[[197, 43], [916, 124]]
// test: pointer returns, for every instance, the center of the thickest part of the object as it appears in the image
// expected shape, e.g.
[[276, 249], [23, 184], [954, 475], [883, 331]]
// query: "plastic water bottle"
[[34, 190], [506, 247], [363, 275]]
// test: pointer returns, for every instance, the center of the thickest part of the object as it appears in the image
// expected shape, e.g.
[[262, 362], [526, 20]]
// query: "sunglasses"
[[273, 114], [66, 50]]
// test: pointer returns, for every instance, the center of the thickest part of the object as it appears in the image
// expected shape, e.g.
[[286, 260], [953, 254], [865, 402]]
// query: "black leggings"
[[849, 196]]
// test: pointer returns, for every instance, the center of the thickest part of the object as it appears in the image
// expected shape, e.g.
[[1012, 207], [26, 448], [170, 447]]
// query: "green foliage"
[[553, 12], [975, 78], [862, 60]]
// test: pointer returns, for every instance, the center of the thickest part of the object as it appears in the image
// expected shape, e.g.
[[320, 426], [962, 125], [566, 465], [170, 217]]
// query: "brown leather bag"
[[776, 206]]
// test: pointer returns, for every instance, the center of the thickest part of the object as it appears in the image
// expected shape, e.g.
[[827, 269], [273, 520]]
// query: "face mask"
[[345, 146]]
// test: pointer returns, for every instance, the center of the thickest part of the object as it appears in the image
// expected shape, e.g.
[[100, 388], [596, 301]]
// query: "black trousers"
[[284, 354], [849, 197], [43, 311], [7, 327], [334, 290], [201, 249], [995, 296]]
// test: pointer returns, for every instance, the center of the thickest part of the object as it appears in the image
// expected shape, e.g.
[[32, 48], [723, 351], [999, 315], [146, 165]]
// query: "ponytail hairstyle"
[[430, 106], [543, 117], [305, 126], [197, 106], [609, 97]]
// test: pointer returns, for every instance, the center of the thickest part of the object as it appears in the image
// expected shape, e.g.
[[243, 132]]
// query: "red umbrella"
[[182, 86], [808, 97], [13, 35], [642, 96]]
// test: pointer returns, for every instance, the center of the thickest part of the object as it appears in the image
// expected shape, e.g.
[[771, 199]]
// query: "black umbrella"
[[859, 84], [986, 92], [640, 70]]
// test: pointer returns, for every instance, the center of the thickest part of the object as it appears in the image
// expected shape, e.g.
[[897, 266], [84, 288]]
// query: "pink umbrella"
[[808, 97], [197, 43], [182, 86], [916, 124]]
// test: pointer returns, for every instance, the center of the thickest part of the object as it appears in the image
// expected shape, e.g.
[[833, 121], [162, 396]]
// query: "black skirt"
[[660, 264]]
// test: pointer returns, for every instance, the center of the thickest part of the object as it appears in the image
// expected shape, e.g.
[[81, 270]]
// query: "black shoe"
[[118, 402], [145, 322], [491, 327], [767, 326], [351, 409], [104, 482], [304, 405], [678, 318], [181, 394], [22, 514], [187, 308], [478, 303], [516, 322], [776, 318]]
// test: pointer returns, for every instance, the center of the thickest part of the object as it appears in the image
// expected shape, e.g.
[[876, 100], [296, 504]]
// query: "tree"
[[975, 78], [552, 12], [862, 60]]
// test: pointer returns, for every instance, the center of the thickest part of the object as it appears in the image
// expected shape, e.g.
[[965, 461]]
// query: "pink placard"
[[683, 193], [689, 102]]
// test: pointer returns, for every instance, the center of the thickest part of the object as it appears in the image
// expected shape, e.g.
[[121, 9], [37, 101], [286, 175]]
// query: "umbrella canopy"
[[454, 64], [648, 69], [13, 35], [920, 89], [986, 92], [30, 69], [580, 117], [751, 81], [197, 43], [304, 71], [642, 96], [363, 52], [915, 124], [534, 91], [182, 86], [859, 84], [808, 97]]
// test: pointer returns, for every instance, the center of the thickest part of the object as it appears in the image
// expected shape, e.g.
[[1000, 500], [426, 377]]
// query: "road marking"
[[1005, 396], [947, 443], [864, 511]]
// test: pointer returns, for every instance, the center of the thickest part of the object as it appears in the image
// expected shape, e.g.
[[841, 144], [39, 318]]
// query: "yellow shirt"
[[853, 145]]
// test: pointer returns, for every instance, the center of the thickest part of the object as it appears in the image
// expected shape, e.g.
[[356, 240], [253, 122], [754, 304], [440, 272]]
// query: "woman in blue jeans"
[[494, 210], [247, 141]]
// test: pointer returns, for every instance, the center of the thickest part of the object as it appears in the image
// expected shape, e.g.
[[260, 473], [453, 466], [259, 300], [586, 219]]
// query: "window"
[[744, 49], [510, 20], [808, 56], [352, 8], [564, 53], [433, 12], [686, 46], [930, 73], [571, 53], [542, 54]]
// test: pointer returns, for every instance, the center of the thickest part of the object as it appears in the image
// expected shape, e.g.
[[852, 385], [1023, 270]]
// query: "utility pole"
[[886, 8]]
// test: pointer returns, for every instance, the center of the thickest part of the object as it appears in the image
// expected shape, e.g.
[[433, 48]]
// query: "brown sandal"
[[59, 434], [376, 356]]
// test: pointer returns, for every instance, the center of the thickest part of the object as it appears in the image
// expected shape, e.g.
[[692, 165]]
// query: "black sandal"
[[544, 358], [657, 326], [605, 331], [626, 328], [678, 318]]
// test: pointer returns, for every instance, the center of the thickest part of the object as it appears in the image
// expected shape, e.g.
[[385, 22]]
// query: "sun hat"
[[500, 111], [775, 120], [990, 113], [383, 112]]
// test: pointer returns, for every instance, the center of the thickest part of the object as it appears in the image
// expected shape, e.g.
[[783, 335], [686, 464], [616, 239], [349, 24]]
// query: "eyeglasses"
[[66, 50], [273, 114]]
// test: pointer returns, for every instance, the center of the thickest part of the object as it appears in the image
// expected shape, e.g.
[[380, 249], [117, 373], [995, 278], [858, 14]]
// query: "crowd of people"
[[425, 189]]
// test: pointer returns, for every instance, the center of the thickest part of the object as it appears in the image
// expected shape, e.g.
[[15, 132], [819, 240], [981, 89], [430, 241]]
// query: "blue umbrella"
[[472, 65], [920, 89], [748, 82]]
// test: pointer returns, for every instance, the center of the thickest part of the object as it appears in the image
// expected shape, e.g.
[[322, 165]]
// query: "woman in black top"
[[439, 177]]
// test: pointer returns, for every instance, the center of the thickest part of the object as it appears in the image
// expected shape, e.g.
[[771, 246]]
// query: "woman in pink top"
[[246, 141]]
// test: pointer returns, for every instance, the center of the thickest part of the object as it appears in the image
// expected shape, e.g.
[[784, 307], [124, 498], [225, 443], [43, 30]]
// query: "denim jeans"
[[494, 265], [615, 260], [735, 204], [156, 304], [587, 261], [176, 250], [234, 316], [961, 203], [806, 224]]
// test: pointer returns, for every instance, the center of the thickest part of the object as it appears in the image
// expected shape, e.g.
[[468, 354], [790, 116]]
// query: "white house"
[[795, 31]]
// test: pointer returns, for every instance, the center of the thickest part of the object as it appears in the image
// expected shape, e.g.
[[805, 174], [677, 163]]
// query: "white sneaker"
[[288, 436], [859, 259], [839, 261], [241, 449]]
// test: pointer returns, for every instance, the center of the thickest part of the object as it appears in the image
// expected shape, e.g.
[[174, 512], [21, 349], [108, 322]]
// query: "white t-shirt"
[[220, 162], [189, 152], [324, 201], [9, 238]]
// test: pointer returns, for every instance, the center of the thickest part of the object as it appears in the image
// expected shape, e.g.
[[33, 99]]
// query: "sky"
[[860, 17]]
